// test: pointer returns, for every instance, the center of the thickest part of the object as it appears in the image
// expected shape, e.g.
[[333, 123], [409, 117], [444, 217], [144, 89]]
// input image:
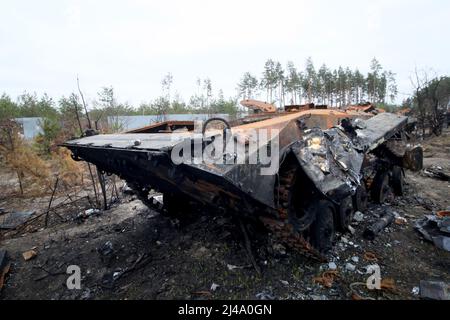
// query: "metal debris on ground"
[[106, 249], [158, 201], [435, 290], [435, 229], [437, 172], [358, 216], [87, 213], [265, 295], [214, 287], [373, 230], [127, 190], [14, 219]]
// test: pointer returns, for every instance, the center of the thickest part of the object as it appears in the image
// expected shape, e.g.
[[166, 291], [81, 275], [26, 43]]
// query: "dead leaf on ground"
[[202, 293], [443, 214], [327, 278], [370, 256], [388, 284]]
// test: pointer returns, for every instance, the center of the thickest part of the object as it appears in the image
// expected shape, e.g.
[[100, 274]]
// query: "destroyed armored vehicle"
[[325, 165]]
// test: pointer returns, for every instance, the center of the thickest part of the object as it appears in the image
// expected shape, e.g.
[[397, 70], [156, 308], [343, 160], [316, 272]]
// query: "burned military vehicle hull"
[[326, 164]]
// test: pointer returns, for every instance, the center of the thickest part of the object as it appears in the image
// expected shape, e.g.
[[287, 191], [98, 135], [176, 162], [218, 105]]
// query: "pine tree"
[[279, 80], [269, 79], [309, 81], [292, 82], [248, 86]]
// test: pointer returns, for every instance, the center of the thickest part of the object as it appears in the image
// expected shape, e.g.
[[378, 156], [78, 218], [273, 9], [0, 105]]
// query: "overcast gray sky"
[[132, 44]]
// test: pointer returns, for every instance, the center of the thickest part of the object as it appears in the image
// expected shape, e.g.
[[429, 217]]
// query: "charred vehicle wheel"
[[346, 212], [322, 230], [304, 221], [360, 199], [174, 205], [381, 189], [397, 181]]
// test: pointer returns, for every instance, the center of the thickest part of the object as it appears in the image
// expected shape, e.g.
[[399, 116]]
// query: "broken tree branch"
[[97, 201], [248, 247], [84, 104], [51, 200], [101, 179]]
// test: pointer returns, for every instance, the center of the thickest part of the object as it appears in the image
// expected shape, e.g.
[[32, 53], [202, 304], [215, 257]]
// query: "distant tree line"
[[73, 115], [334, 87], [277, 84], [202, 101]]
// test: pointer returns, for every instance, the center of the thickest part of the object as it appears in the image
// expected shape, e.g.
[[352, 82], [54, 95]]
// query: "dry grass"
[[35, 174], [32, 172], [70, 172]]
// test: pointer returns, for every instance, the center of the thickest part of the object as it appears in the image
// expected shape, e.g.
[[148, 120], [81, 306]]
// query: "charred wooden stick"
[[51, 200], [248, 247], [48, 273], [84, 104], [93, 185], [59, 206], [101, 179]]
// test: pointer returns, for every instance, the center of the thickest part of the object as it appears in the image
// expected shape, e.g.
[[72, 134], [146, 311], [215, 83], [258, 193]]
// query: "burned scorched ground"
[[131, 252]]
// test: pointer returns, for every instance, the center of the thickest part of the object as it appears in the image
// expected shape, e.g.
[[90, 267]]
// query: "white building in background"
[[31, 127]]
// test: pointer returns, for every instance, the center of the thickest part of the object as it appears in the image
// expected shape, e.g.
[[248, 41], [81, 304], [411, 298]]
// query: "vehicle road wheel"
[[360, 198], [397, 181], [322, 231], [346, 212], [381, 190]]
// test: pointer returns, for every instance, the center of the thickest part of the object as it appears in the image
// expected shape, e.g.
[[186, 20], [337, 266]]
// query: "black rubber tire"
[[346, 212], [360, 199], [381, 189], [397, 181], [322, 231]]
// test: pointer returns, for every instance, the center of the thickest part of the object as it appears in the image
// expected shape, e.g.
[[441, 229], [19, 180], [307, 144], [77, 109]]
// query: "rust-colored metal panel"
[[259, 106]]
